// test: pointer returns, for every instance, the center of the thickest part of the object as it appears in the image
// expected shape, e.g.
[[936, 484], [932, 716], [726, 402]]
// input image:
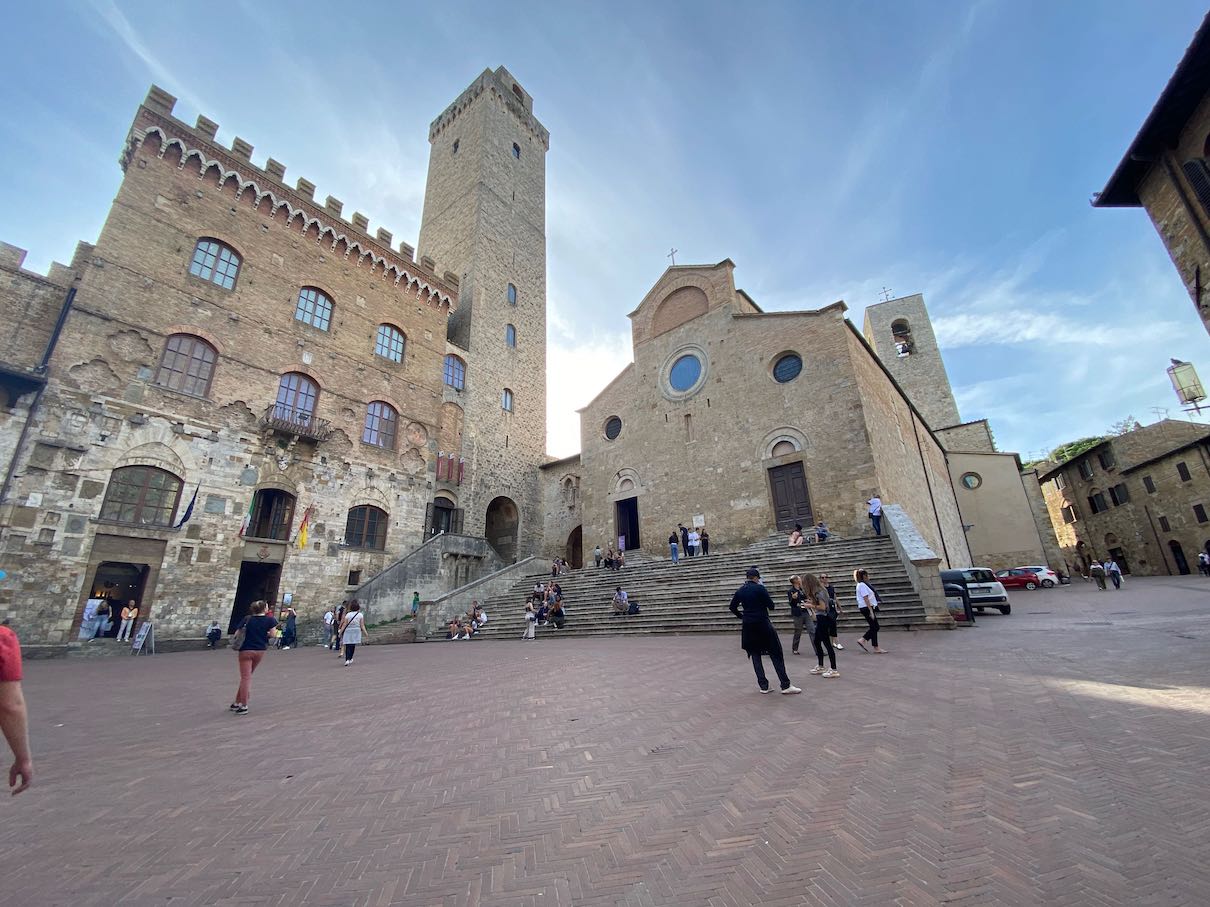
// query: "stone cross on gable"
[[672, 254]]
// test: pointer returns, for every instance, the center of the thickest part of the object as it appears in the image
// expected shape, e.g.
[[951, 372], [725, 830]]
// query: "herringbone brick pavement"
[[1056, 756]]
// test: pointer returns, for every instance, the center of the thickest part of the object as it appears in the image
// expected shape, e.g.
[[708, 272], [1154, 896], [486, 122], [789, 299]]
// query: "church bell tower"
[[485, 220]]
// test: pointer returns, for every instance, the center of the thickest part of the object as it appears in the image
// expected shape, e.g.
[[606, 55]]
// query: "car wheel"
[[1048, 584], [1031, 586], [980, 610], [1006, 609]]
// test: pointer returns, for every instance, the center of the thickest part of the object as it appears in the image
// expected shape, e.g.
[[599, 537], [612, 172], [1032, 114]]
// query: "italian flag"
[[243, 529]]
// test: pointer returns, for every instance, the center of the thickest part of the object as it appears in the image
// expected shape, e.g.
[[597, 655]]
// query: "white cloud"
[[577, 369]]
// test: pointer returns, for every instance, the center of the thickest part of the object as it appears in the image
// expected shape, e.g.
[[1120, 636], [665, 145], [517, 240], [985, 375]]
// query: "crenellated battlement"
[[12, 258], [196, 147], [502, 88]]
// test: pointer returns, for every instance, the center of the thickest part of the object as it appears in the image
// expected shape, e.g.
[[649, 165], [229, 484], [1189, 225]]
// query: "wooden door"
[[791, 501]]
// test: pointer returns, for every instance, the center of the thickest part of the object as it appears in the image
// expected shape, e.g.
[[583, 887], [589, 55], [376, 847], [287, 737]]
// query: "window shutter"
[[456, 521], [428, 519], [1198, 174]]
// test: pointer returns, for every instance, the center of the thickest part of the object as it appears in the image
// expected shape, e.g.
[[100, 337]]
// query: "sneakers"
[[233, 707], [831, 673], [818, 669], [838, 647], [285, 648], [240, 710], [880, 651], [790, 690], [765, 689], [348, 661]]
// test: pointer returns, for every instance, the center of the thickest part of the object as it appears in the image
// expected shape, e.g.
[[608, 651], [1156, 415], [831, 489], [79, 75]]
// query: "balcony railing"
[[291, 421]]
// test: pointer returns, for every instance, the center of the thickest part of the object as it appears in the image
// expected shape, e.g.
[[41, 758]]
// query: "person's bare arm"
[[14, 722]]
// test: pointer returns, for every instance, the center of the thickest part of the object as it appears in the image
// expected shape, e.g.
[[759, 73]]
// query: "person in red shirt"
[[14, 721]]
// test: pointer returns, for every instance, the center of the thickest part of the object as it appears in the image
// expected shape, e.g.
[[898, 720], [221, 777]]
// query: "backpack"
[[634, 608]]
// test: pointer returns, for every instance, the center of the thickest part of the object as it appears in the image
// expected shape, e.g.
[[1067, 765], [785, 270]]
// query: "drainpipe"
[[42, 369], [1158, 543]]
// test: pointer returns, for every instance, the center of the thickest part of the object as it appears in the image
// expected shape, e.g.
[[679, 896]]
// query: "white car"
[[982, 587], [1047, 577]]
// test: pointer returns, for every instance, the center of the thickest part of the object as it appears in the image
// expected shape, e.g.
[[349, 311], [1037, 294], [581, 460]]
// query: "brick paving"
[[1056, 756]]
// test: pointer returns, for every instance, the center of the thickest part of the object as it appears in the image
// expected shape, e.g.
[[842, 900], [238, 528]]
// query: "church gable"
[[683, 293]]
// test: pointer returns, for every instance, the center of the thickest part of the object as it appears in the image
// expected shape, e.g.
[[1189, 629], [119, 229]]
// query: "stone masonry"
[[901, 334]]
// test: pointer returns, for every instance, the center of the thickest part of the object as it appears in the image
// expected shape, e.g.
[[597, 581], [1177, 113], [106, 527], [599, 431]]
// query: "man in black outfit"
[[684, 538], [759, 636]]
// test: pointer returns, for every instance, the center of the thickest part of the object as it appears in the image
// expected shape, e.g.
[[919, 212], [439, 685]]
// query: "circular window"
[[787, 368], [685, 372], [613, 427], [971, 480]]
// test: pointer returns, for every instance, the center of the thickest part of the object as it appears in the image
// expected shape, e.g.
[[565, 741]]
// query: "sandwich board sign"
[[145, 637]]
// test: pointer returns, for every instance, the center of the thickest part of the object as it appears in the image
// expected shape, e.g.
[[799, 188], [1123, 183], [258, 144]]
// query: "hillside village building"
[[1140, 498], [236, 393]]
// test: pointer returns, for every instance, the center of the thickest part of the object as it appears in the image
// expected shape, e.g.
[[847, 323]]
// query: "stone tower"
[[902, 335], [485, 219]]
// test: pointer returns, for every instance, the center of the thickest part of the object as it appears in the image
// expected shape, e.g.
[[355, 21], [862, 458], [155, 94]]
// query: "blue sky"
[[829, 149]]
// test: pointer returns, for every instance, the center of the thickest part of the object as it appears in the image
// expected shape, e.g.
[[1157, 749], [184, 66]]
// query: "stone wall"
[[922, 564], [999, 520], [910, 465], [1176, 219], [436, 614], [969, 436], [564, 514]]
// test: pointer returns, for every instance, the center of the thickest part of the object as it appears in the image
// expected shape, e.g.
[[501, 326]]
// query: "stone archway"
[[503, 520], [574, 552]]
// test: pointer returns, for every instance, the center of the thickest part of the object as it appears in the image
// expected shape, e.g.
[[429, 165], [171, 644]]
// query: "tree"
[[1130, 423], [1073, 449]]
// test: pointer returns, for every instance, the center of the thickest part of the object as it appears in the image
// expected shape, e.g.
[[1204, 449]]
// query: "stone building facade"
[[1141, 498], [745, 421], [901, 334], [1166, 170], [239, 363]]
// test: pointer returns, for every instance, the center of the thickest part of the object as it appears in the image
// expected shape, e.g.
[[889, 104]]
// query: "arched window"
[[388, 343], [381, 420], [187, 365], [272, 514], [142, 496], [512, 294], [366, 527], [506, 400], [216, 262], [296, 398], [455, 372], [510, 336], [516, 151], [314, 308], [901, 334]]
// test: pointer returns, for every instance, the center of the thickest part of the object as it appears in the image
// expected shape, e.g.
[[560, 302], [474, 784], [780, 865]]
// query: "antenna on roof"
[[886, 294]]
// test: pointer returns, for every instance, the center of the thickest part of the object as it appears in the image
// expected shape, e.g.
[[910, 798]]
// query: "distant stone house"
[[1141, 498]]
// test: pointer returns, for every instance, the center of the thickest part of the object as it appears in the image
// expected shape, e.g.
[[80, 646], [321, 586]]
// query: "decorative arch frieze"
[[786, 433]]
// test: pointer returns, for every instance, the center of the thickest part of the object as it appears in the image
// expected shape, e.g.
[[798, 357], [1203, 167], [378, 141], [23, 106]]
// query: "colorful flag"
[[243, 529], [303, 527], [189, 509]]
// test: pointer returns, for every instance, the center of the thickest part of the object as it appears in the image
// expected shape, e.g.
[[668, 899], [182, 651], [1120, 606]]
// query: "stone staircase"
[[692, 596]]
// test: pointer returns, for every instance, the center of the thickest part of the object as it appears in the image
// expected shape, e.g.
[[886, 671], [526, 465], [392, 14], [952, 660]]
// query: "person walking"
[[867, 604], [1097, 572], [104, 624], [1203, 563], [415, 604], [338, 628], [824, 609], [130, 613], [875, 510], [531, 620], [289, 636], [758, 636], [834, 611], [14, 716], [353, 629], [705, 542], [250, 642], [596, 556], [672, 547], [1114, 573], [796, 597]]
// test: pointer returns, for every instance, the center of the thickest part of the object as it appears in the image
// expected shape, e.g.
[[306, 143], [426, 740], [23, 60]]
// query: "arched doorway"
[[575, 548], [119, 583], [500, 528], [1178, 557]]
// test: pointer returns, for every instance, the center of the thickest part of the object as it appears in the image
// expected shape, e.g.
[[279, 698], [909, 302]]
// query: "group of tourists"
[[816, 534], [464, 626], [1110, 570], [812, 601], [345, 628], [544, 608], [692, 542], [610, 559]]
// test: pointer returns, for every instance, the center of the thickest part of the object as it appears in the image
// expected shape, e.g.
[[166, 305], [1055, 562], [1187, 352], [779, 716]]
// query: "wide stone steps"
[[692, 596]]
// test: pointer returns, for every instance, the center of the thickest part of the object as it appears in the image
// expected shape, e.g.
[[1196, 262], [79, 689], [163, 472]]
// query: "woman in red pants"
[[250, 642]]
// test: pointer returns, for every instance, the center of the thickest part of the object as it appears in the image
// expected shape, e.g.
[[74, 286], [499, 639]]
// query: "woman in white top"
[[351, 629], [867, 604]]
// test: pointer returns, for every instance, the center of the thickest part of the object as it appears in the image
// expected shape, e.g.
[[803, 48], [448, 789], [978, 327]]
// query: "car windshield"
[[979, 576]]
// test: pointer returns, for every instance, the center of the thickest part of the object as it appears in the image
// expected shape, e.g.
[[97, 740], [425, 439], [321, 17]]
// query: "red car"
[[1018, 578]]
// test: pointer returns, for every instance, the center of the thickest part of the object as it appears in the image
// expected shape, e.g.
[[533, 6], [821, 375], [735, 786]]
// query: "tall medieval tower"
[[902, 336], [485, 219]]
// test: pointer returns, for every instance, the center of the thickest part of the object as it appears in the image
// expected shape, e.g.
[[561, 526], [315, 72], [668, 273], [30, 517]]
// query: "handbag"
[[237, 640]]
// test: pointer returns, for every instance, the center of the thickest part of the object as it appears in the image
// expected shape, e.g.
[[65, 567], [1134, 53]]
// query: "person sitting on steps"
[[621, 603]]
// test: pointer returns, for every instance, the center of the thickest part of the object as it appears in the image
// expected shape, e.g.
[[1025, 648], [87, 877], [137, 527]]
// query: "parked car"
[[1018, 578], [982, 587], [1047, 577], [958, 591]]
